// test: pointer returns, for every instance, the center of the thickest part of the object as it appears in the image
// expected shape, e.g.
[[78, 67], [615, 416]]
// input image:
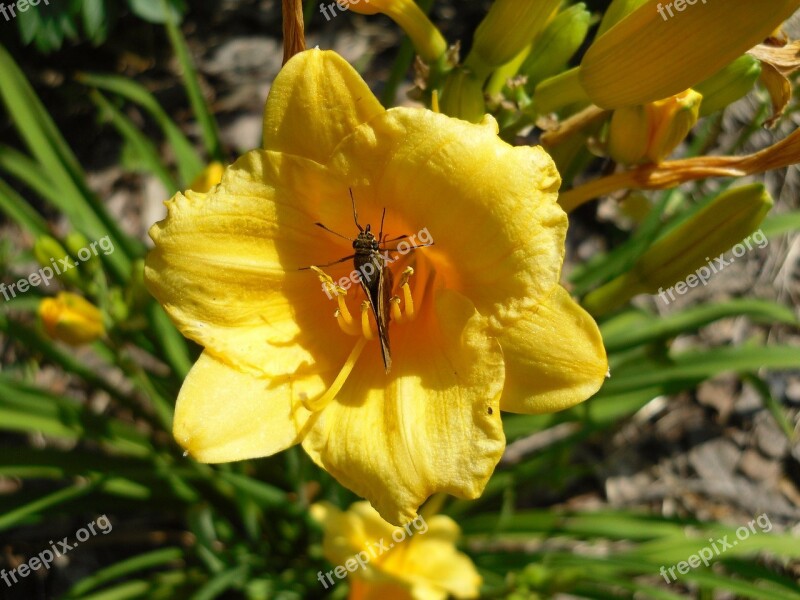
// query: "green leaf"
[[633, 328], [775, 225], [95, 22], [208, 125], [124, 568], [15, 207], [690, 368], [21, 514], [144, 148], [153, 12], [188, 161]]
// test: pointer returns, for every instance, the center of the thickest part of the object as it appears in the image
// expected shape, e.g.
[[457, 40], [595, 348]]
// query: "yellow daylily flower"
[[416, 562], [71, 319], [481, 325]]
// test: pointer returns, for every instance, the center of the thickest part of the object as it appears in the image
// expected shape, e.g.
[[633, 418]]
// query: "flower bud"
[[80, 249], [649, 133], [427, 39], [71, 319], [729, 84], [629, 134], [509, 26], [49, 254], [554, 47], [462, 96], [693, 243], [656, 51], [671, 121]]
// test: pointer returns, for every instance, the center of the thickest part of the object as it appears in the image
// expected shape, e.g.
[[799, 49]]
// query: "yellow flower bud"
[[686, 248], [649, 133], [629, 134], [208, 178], [509, 26], [660, 49], [462, 96], [729, 84], [71, 319], [671, 121], [427, 39]]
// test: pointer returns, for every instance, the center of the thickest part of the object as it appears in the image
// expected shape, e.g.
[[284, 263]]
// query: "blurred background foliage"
[[590, 502]]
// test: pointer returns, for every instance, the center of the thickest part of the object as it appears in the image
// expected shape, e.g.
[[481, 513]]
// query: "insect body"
[[373, 274], [376, 281]]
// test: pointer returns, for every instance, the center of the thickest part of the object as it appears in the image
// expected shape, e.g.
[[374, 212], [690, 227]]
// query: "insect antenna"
[[333, 232], [355, 212]]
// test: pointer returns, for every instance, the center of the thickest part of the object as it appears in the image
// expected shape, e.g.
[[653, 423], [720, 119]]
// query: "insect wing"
[[377, 288]]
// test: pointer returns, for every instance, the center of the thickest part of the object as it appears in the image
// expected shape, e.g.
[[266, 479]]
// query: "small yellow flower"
[[381, 562], [71, 319], [479, 322]]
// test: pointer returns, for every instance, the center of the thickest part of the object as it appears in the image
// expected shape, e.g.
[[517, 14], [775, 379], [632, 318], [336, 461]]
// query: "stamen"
[[329, 394], [366, 325], [397, 316], [408, 300]]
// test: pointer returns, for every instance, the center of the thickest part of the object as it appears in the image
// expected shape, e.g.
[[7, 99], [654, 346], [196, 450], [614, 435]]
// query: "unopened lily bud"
[[508, 28], [462, 96], [671, 121], [657, 51], [629, 134], [427, 39], [208, 178], [554, 47], [50, 254], [729, 84], [699, 241], [71, 319]]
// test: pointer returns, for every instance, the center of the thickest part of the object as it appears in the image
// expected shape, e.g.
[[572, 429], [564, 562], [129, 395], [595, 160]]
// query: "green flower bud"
[[554, 47], [729, 84], [462, 96], [508, 28], [50, 254], [686, 248]]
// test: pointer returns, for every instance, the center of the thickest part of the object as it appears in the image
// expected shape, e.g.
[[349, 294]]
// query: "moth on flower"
[[479, 322]]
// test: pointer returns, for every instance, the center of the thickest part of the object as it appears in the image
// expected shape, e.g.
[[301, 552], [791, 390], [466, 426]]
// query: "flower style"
[[479, 321], [411, 563]]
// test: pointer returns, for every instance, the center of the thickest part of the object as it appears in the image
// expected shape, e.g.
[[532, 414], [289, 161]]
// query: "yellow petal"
[[490, 208], [650, 55], [315, 101], [432, 426], [223, 414], [554, 357], [434, 563], [424, 564], [225, 266]]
